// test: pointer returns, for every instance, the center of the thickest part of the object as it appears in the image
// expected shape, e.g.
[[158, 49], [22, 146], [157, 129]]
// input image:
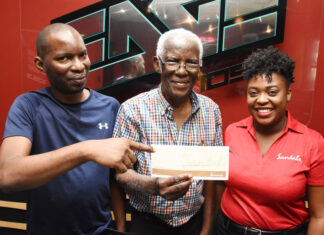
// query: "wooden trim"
[[15, 225], [14, 205], [128, 216]]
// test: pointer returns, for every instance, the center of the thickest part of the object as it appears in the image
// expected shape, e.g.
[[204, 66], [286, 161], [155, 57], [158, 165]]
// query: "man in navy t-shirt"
[[57, 142]]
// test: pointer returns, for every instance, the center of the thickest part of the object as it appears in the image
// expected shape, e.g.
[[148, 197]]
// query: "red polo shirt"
[[268, 192]]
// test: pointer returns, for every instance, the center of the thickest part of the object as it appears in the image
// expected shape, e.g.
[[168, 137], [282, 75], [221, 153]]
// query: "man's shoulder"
[[32, 97], [103, 98], [206, 101], [142, 98], [22, 113]]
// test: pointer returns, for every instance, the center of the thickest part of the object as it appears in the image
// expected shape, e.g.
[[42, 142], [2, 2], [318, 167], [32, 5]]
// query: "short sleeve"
[[126, 124], [316, 172], [20, 118]]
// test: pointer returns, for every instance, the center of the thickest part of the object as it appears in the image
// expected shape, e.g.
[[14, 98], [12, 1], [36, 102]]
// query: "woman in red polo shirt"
[[275, 161]]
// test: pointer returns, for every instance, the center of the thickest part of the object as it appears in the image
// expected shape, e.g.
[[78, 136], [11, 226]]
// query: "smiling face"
[[267, 100], [65, 62], [177, 84]]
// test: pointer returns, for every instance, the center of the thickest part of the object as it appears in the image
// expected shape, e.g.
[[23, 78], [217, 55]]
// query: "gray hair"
[[160, 49]]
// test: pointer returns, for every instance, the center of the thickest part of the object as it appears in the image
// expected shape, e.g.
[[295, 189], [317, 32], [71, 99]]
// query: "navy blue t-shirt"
[[76, 202]]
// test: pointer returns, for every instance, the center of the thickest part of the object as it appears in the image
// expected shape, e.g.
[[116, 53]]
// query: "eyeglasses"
[[175, 65]]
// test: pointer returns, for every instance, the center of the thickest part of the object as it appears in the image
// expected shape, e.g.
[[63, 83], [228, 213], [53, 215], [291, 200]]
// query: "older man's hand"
[[172, 188]]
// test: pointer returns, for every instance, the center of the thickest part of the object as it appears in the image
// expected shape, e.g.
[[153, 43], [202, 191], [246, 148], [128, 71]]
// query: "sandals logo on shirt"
[[286, 157]]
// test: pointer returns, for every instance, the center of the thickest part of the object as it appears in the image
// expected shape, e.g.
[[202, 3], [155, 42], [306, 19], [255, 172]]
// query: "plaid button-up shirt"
[[147, 118]]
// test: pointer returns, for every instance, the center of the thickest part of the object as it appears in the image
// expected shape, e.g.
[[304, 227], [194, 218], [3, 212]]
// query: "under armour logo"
[[105, 125]]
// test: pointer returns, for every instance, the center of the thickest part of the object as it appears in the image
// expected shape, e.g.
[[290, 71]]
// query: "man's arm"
[[170, 188], [20, 171], [316, 210], [210, 187], [127, 125]]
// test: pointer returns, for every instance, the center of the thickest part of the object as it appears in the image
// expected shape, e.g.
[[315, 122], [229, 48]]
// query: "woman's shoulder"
[[243, 124], [305, 130]]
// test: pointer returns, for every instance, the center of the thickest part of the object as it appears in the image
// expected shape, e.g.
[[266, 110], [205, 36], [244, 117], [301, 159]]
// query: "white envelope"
[[203, 162]]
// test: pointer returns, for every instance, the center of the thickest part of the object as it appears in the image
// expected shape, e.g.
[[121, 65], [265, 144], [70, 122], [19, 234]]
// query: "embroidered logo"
[[103, 125], [291, 157]]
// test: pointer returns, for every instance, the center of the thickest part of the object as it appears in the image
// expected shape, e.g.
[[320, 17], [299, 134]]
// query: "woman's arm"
[[209, 205], [220, 188], [316, 210]]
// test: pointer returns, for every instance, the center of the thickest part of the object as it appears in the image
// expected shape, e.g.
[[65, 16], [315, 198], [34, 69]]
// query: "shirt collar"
[[166, 108], [292, 124]]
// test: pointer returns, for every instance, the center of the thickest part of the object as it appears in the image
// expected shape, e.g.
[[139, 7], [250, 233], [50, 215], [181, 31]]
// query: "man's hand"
[[115, 152], [172, 188]]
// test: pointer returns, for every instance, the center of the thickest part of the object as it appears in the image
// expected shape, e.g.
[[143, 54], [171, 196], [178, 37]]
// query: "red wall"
[[21, 20], [303, 42], [10, 62], [318, 107]]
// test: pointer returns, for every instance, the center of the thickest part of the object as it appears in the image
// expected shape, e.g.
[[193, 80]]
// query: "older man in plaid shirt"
[[171, 114]]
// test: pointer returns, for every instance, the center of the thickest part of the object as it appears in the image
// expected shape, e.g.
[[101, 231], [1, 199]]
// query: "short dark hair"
[[267, 61], [41, 41]]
